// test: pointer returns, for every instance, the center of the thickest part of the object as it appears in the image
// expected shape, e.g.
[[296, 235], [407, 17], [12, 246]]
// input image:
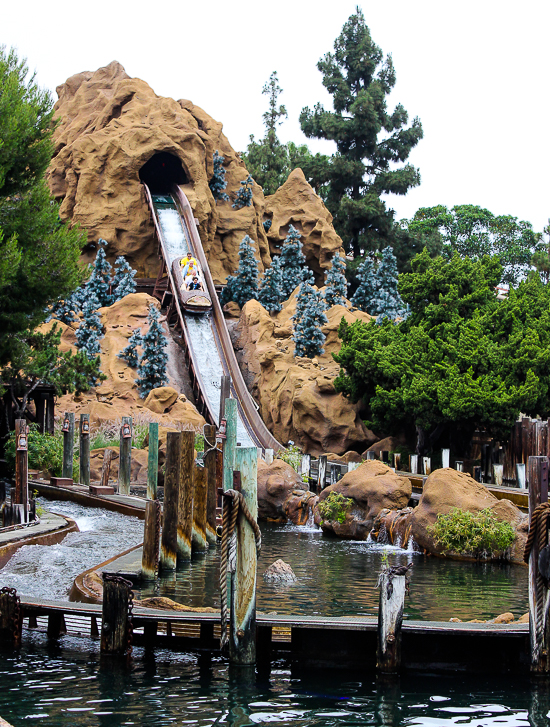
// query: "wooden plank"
[[200, 498], [84, 450], [185, 502], [68, 446], [210, 457], [242, 637], [169, 540], [153, 461], [125, 457], [230, 444]]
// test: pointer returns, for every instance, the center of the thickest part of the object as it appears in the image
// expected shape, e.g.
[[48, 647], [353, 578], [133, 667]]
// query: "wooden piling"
[[22, 467], [153, 461], [210, 457], [413, 466], [56, 625], [11, 621], [225, 393], [68, 446], [230, 444], [185, 502], [445, 457], [151, 536], [322, 474], [242, 638], [200, 498], [106, 467], [396, 460], [427, 465], [125, 457], [115, 621], [539, 595], [390, 618], [169, 540], [269, 453], [84, 450]]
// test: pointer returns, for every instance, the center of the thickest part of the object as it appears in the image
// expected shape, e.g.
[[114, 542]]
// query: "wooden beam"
[[115, 624], [185, 502], [125, 457], [68, 446], [210, 457], [84, 450], [106, 467], [151, 536], [169, 541], [153, 461], [22, 467], [200, 497], [230, 444], [390, 619]]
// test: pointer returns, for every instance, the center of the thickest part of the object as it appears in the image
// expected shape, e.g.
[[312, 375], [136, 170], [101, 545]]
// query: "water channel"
[[67, 683]]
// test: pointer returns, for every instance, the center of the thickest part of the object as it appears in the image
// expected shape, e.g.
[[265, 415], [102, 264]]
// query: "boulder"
[[372, 487], [446, 489], [296, 396], [275, 482], [388, 444], [280, 572], [504, 618], [299, 507]]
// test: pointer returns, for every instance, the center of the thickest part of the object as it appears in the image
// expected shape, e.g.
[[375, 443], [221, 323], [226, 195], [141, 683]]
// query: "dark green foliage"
[[473, 232], [387, 302], [292, 261], [218, 182], [334, 507], [123, 282], [461, 360], [308, 320], [370, 140], [45, 452], [267, 225], [90, 331], [152, 364], [364, 296], [271, 293], [243, 286], [130, 353], [336, 284], [244, 195], [479, 534], [99, 284]]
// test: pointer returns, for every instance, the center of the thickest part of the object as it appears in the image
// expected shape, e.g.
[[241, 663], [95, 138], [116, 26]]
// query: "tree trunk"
[[420, 439]]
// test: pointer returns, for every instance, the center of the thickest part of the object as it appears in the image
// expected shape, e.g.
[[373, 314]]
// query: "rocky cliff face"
[[111, 125]]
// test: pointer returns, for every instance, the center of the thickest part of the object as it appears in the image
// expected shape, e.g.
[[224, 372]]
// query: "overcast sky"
[[475, 72]]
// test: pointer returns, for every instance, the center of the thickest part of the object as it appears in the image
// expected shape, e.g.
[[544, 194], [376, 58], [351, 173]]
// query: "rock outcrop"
[[296, 396], [275, 483], [279, 572], [299, 507], [446, 489], [372, 487]]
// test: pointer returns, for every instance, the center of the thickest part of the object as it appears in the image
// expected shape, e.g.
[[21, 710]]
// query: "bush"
[[335, 507], [45, 452], [478, 534], [292, 455]]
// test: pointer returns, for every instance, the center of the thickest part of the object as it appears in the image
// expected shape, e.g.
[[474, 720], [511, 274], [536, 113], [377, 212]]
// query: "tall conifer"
[[336, 284]]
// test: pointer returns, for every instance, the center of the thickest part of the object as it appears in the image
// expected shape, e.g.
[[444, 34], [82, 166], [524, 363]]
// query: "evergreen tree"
[[267, 225], [243, 286], [90, 331], [123, 282], [364, 296], [130, 353], [362, 170], [336, 283], [218, 182], [308, 320], [293, 262], [99, 283], [271, 293], [244, 195], [387, 302], [152, 364], [65, 310]]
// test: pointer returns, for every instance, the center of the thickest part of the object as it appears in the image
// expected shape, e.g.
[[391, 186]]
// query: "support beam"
[[185, 502], [115, 622], [169, 541], [84, 450], [11, 621], [68, 444], [200, 496], [153, 461], [22, 466], [210, 457], [106, 467], [225, 393], [151, 537], [125, 457]]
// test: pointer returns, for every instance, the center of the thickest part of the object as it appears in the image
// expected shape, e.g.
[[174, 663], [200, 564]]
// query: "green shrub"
[[335, 507], [478, 534], [199, 442], [292, 455], [45, 451]]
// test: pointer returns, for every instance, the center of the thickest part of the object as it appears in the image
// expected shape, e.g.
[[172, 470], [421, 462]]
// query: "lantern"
[[223, 429], [66, 424], [85, 428], [22, 442], [126, 431]]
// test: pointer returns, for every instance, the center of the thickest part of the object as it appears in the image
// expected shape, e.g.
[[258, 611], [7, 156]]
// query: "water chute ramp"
[[208, 350]]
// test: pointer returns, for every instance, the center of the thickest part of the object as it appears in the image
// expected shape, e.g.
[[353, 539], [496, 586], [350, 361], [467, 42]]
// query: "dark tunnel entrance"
[[161, 172]]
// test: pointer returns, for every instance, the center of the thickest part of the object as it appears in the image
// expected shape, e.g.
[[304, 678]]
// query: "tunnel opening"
[[162, 171]]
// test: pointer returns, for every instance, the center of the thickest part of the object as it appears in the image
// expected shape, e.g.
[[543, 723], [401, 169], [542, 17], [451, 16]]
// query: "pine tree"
[[293, 262], [152, 364], [123, 282], [387, 302], [271, 293], [90, 330], [218, 182], [65, 310], [244, 195], [100, 280], [336, 283], [308, 320], [130, 353], [365, 295], [243, 286]]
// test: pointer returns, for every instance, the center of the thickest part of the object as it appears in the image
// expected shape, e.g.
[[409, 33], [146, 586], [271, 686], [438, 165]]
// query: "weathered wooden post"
[[445, 457], [169, 540], [539, 595], [151, 536], [153, 461], [242, 637], [459, 464], [125, 457], [385, 456], [390, 618], [397, 460], [200, 502], [225, 393], [427, 465], [230, 444], [22, 467], [413, 466], [68, 445], [322, 474], [106, 467], [185, 502], [210, 457], [520, 475], [116, 621], [11, 621], [306, 468], [269, 453], [498, 473], [84, 450], [371, 455]]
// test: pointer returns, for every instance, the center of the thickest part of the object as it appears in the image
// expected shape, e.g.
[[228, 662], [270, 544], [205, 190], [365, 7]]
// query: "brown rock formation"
[[299, 506], [280, 572], [295, 203], [275, 483], [372, 487], [446, 489], [297, 398], [138, 472]]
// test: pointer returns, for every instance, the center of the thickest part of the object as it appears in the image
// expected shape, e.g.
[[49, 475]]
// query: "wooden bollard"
[[230, 444], [125, 457], [445, 457], [268, 458], [539, 621], [169, 540], [68, 445], [322, 474], [390, 618], [520, 475], [106, 467], [427, 465], [151, 536], [115, 622], [153, 461], [22, 466], [397, 460], [413, 464], [11, 621], [210, 457], [225, 393], [200, 497], [242, 637], [305, 468], [84, 450], [185, 501]]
